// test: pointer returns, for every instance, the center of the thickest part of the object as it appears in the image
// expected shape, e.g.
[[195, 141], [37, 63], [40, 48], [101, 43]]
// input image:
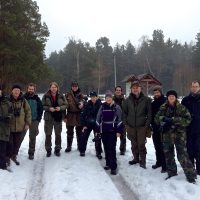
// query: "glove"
[[168, 120]]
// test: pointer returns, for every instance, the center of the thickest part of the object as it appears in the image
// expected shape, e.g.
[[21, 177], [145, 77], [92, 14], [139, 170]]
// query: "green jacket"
[[137, 112], [22, 114], [47, 103], [6, 113], [181, 117]]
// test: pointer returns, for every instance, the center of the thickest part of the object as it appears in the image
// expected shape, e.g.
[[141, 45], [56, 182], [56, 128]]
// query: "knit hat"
[[172, 92], [93, 94], [109, 94], [157, 88], [136, 83], [74, 83], [16, 86]]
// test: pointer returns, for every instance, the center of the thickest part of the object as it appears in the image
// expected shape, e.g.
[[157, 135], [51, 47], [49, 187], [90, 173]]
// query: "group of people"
[[172, 124]]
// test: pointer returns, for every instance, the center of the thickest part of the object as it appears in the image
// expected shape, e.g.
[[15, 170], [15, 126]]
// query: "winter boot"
[[14, 159], [48, 153], [113, 172], [69, 145], [157, 165], [133, 162], [57, 152], [31, 156], [106, 167], [82, 154]]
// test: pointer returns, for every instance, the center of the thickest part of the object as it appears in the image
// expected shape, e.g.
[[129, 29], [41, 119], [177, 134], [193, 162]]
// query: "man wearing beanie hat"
[[88, 121], [20, 122], [159, 99], [72, 119], [173, 119], [137, 118], [6, 113], [192, 103]]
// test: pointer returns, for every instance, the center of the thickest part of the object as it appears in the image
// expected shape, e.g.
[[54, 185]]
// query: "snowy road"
[[71, 177]]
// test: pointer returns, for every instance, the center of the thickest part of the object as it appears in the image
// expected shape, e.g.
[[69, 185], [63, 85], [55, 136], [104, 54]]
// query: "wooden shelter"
[[147, 81]]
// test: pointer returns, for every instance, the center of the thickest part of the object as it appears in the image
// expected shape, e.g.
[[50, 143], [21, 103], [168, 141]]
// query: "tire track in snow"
[[36, 184], [122, 186]]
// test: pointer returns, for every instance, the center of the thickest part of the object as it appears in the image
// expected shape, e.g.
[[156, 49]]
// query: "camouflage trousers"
[[33, 132], [177, 139]]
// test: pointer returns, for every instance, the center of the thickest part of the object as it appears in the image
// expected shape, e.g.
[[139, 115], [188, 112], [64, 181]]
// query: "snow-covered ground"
[[71, 177]]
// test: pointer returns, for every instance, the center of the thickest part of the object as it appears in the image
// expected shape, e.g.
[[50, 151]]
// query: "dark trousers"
[[193, 149], [48, 128], [84, 139], [15, 141], [70, 135], [160, 157], [3, 145], [109, 142], [33, 132], [122, 146]]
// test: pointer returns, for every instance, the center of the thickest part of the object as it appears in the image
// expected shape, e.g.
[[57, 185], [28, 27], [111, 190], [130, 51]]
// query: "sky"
[[119, 20]]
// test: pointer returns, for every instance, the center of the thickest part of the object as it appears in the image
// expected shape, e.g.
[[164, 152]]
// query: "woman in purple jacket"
[[109, 124]]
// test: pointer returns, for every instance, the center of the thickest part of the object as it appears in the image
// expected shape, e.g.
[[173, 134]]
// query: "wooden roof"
[[143, 78]]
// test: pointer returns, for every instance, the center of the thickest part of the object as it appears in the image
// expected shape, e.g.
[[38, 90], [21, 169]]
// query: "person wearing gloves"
[[173, 119], [109, 124]]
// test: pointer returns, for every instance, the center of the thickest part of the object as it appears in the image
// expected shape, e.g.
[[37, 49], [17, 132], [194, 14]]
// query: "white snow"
[[71, 177]]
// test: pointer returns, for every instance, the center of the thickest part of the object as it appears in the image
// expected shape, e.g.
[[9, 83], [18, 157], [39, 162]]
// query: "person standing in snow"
[[119, 99], [88, 121], [173, 119], [54, 105], [72, 119], [137, 119], [36, 111], [159, 99], [20, 122], [109, 124], [192, 103], [6, 113]]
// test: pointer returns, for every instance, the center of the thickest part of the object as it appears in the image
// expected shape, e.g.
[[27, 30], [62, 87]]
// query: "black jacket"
[[89, 114]]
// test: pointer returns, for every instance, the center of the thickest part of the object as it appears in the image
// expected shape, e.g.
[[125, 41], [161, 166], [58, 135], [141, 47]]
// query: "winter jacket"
[[47, 102], [192, 103], [109, 119], [6, 113], [36, 106], [73, 111], [137, 112], [119, 100], [177, 117], [89, 114], [22, 113], [155, 105]]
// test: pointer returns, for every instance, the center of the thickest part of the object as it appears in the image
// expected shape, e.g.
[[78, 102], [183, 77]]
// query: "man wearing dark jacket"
[[36, 111], [159, 99], [137, 119], [75, 107], [88, 121], [6, 113], [192, 103], [119, 99]]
